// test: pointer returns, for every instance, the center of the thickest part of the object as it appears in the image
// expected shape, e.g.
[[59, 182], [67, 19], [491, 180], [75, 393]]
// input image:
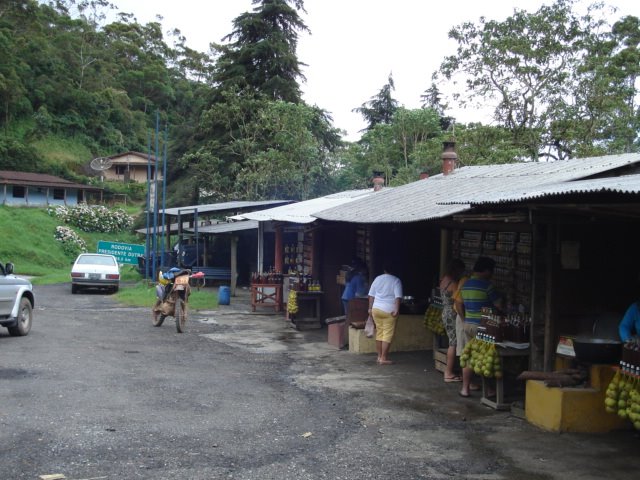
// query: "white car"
[[95, 270]]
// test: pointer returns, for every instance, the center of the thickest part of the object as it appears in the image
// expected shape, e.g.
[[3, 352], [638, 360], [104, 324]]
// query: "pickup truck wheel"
[[25, 317], [74, 288]]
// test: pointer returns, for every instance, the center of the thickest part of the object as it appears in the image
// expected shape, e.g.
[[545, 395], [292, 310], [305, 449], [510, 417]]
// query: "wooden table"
[[266, 295], [309, 310], [499, 403]]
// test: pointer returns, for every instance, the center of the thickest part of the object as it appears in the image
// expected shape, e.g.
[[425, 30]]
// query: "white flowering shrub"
[[72, 244], [93, 218]]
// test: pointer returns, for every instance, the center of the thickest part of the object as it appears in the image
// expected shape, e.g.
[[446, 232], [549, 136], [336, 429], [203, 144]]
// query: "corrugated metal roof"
[[627, 184], [227, 227], [219, 207], [302, 212], [40, 180], [171, 227], [440, 196]]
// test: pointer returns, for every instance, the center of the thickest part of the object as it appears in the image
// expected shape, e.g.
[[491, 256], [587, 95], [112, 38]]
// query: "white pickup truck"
[[16, 302]]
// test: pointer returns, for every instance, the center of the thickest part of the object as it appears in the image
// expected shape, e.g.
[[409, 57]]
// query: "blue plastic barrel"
[[224, 295]]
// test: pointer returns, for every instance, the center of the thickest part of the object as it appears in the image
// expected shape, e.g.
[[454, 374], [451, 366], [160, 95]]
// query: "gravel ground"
[[96, 392]]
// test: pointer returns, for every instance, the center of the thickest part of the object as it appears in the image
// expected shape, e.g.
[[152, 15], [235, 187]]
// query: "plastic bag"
[[370, 327]]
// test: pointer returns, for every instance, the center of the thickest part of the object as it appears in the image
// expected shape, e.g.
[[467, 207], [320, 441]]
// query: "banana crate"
[[440, 359], [440, 344]]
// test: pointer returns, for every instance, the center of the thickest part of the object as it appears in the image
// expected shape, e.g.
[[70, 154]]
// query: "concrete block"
[[568, 409], [337, 334], [410, 335]]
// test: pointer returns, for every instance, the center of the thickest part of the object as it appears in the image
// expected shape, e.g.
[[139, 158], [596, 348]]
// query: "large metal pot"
[[597, 350], [410, 306]]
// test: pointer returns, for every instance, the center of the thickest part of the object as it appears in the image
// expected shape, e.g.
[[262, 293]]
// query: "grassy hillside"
[[27, 240]]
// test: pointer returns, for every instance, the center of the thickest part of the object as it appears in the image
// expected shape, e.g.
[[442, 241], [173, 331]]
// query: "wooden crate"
[[440, 359]]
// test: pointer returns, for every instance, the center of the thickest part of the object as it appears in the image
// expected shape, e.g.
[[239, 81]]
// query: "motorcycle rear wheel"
[[156, 317], [180, 315]]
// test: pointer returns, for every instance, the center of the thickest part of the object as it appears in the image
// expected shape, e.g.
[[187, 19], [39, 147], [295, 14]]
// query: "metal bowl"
[[597, 350], [415, 307]]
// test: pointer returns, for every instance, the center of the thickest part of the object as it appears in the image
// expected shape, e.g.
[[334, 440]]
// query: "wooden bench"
[[213, 273]]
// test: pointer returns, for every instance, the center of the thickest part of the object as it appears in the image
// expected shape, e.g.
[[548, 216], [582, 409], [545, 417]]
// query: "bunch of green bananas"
[[623, 397], [433, 320], [482, 357]]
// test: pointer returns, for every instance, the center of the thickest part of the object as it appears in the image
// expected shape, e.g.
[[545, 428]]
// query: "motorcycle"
[[172, 292]]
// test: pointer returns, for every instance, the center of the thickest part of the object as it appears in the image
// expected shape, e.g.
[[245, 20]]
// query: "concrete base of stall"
[[410, 335], [579, 410]]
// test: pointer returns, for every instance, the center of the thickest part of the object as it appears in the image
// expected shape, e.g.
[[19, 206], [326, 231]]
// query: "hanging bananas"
[[292, 302]]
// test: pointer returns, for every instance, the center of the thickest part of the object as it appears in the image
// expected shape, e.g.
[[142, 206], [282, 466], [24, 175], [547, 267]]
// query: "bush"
[[72, 244], [93, 219]]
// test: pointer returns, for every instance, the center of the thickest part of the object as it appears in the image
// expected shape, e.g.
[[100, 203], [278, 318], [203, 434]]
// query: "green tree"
[[434, 99], [560, 81], [400, 149], [15, 155], [381, 107], [478, 144], [412, 129], [602, 117], [262, 53], [288, 160]]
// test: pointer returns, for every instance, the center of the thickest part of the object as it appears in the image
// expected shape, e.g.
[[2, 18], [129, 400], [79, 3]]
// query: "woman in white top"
[[384, 306]]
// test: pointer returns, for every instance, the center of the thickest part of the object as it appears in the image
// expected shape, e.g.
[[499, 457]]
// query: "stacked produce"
[[623, 397], [292, 302], [482, 357], [433, 319]]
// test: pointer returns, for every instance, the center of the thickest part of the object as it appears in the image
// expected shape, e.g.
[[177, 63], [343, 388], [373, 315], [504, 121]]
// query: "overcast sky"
[[355, 44]]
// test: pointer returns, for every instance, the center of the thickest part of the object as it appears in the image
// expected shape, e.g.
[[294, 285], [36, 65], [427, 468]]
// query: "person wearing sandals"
[[384, 306], [476, 293], [448, 288]]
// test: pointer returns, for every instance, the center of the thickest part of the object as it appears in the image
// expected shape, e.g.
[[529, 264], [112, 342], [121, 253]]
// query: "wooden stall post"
[[279, 265], [234, 265]]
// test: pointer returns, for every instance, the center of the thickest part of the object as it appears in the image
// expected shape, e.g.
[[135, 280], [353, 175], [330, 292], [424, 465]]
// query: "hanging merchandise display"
[[292, 303], [623, 393], [481, 355], [433, 315], [512, 253]]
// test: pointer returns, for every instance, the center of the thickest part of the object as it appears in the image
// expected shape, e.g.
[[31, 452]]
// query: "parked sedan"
[[94, 270]]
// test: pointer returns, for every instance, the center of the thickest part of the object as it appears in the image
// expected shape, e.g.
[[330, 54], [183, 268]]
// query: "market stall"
[[304, 308]]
